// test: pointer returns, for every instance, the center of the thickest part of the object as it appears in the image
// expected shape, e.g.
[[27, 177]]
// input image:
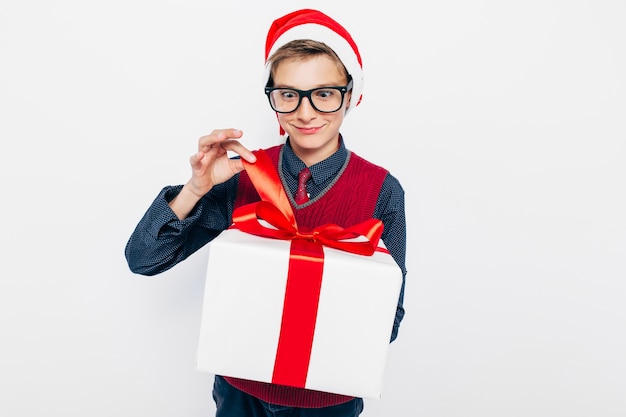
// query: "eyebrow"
[[318, 86]]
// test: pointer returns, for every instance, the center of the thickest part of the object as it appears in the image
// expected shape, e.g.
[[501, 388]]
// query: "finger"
[[217, 136], [195, 160], [236, 147], [236, 165]]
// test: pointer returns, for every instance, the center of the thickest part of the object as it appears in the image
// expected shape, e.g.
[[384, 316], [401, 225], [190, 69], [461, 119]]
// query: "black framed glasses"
[[323, 99]]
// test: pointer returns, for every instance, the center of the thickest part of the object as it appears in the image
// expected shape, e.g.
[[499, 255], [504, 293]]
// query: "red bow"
[[275, 209]]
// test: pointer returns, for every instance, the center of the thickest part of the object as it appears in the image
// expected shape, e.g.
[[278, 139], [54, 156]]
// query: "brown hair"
[[301, 49]]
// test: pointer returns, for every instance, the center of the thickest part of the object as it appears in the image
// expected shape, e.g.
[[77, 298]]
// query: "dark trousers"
[[232, 402]]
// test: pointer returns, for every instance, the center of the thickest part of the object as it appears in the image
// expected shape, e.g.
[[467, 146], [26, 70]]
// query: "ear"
[[347, 100]]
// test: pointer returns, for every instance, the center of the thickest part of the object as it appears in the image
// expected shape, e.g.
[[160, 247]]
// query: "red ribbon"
[[306, 263]]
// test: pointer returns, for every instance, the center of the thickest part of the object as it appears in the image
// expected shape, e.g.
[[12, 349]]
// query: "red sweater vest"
[[350, 200]]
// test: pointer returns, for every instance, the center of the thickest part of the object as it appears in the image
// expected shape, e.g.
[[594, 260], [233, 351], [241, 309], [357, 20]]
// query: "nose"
[[306, 109]]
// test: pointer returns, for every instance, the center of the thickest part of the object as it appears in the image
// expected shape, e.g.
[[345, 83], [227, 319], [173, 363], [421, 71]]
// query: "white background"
[[504, 121]]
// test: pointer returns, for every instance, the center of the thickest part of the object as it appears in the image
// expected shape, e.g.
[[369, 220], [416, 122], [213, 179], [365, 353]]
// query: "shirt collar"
[[320, 172]]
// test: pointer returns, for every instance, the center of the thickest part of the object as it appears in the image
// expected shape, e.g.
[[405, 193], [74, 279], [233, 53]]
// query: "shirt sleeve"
[[161, 240], [390, 209]]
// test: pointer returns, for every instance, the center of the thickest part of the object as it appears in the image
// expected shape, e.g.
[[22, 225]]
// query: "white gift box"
[[243, 307]]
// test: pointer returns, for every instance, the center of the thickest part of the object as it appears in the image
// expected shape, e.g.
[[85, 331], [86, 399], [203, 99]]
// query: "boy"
[[314, 78]]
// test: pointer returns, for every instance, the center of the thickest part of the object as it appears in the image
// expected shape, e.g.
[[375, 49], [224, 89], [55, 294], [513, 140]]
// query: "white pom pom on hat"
[[315, 25]]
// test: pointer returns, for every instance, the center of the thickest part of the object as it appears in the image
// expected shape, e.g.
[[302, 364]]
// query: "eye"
[[325, 94], [288, 95]]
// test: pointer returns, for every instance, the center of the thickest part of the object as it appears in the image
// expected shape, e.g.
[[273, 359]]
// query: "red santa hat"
[[313, 24]]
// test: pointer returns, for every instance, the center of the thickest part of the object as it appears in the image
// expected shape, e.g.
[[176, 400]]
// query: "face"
[[314, 136]]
